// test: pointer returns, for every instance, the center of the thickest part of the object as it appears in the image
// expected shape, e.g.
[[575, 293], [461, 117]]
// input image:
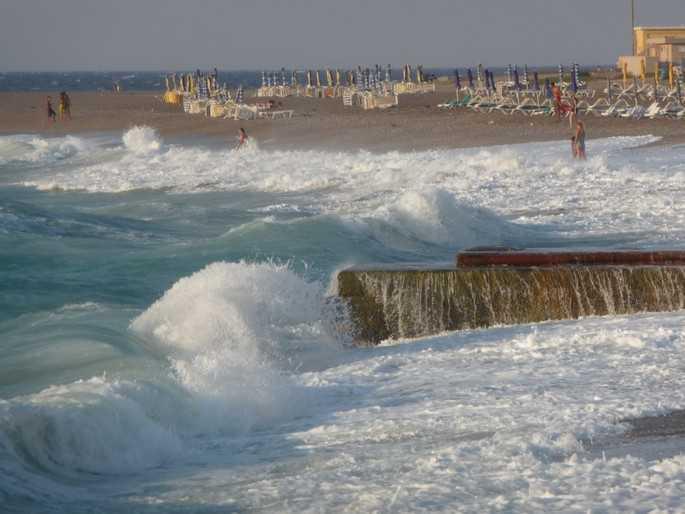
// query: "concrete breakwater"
[[483, 290]]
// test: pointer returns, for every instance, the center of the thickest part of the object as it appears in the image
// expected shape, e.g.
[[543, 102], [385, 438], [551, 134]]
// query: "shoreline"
[[417, 124]]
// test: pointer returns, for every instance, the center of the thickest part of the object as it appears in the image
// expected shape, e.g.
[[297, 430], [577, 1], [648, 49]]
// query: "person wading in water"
[[242, 138]]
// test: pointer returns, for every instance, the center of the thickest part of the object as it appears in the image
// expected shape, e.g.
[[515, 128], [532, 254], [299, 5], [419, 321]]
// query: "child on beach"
[[51, 112]]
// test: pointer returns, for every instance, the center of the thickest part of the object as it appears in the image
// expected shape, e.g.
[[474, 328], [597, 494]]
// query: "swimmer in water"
[[242, 138]]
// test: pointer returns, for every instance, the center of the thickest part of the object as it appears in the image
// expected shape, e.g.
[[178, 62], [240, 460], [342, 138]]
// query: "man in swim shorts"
[[580, 140]]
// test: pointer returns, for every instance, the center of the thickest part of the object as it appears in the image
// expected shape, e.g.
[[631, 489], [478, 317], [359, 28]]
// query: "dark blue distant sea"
[[103, 80], [149, 80]]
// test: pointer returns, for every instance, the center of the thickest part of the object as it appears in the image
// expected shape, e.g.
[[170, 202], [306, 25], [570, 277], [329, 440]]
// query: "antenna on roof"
[[632, 24]]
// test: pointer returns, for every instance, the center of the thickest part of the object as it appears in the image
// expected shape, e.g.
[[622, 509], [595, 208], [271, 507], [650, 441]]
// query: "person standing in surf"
[[242, 138], [580, 140]]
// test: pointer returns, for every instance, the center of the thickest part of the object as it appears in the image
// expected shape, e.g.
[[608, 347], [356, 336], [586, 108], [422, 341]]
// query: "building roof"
[[678, 27]]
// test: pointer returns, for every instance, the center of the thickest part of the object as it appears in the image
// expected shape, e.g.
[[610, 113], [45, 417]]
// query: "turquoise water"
[[160, 302]]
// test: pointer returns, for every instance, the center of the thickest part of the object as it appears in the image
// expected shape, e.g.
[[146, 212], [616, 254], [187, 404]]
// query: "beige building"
[[652, 46]]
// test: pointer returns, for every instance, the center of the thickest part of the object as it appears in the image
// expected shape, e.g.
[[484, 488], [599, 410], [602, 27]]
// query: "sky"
[[72, 35]]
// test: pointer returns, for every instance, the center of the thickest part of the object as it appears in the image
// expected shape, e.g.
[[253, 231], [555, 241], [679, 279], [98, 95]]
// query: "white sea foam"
[[36, 149], [614, 191]]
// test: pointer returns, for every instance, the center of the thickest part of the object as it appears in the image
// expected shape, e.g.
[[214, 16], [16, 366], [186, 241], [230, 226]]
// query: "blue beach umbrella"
[[490, 76], [239, 95], [469, 74], [548, 89]]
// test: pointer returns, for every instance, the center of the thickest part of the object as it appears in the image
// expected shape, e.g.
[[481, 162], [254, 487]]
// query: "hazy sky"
[[254, 34]]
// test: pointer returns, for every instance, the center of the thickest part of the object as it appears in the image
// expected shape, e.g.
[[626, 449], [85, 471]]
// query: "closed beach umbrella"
[[309, 78], [388, 73], [469, 74], [317, 75], [548, 89], [283, 82], [457, 80], [536, 81], [561, 75], [517, 83], [338, 77], [239, 95], [525, 74], [509, 73], [479, 74], [263, 79], [574, 82]]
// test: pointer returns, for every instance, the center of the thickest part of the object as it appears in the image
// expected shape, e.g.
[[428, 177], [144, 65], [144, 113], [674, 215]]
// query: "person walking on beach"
[[51, 112], [580, 140], [242, 138]]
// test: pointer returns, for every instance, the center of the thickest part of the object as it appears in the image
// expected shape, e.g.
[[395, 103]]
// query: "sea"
[[171, 340]]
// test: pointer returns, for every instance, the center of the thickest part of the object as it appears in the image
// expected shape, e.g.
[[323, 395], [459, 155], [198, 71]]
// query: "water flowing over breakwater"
[[419, 302]]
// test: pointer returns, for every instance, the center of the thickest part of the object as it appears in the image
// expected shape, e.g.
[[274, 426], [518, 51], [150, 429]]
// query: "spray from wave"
[[142, 140]]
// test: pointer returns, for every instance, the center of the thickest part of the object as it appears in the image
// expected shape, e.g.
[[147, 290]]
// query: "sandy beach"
[[416, 124]]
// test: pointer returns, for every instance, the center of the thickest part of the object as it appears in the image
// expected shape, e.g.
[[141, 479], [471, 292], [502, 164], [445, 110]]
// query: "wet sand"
[[417, 124]]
